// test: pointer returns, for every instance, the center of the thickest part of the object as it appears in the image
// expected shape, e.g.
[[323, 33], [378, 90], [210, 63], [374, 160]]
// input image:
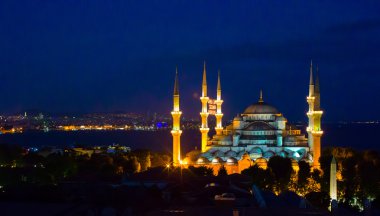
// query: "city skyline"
[[105, 57]]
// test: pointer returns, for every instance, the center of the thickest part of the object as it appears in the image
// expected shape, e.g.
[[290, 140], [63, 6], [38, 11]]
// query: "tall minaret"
[[204, 114], [219, 114], [317, 130], [310, 101], [176, 131], [314, 114]]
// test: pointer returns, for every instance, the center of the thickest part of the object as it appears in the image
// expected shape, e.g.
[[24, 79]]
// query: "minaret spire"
[[204, 81], [219, 88], [311, 82], [176, 87], [311, 73], [218, 102], [261, 96]]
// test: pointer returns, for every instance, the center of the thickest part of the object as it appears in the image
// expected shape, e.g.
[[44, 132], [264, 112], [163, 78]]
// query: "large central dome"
[[261, 108]]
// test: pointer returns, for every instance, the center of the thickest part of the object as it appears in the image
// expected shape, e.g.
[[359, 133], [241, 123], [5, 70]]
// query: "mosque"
[[254, 136]]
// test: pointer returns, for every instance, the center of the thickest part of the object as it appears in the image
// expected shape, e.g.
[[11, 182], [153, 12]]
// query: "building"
[[257, 134]]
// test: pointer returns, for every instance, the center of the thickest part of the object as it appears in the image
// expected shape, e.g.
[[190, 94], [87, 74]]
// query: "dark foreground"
[[140, 182]]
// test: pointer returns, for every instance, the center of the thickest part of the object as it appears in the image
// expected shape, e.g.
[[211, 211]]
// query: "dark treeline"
[[18, 166], [358, 177], [31, 176]]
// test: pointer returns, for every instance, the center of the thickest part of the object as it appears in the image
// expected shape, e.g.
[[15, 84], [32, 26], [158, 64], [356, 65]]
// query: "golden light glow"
[[176, 130]]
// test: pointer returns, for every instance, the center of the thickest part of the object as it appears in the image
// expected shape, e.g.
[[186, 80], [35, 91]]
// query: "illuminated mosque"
[[254, 136]]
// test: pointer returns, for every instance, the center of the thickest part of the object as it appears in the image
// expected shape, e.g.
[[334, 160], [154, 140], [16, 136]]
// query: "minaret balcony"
[[204, 114], [176, 113], [218, 128], [176, 132], [218, 102], [204, 99], [317, 133], [310, 99], [218, 114]]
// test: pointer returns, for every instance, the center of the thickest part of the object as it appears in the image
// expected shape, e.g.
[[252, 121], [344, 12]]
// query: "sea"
[[358, 136]]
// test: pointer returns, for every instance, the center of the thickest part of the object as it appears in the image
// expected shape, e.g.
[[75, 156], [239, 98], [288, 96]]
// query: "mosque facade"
[[255, 135]]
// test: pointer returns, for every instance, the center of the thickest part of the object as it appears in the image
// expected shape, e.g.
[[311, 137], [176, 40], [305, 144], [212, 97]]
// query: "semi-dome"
[[218, 153], [268, 154], [261, 108], [238, 118], [230, 153], [232, 160], [202, 160], [217, 160]]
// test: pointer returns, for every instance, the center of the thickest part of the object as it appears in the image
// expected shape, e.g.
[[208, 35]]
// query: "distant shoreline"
[[354, 135]]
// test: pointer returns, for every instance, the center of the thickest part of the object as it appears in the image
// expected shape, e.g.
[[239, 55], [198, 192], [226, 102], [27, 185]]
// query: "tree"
[[60, 166], [282, 171], [260, 177], [222, 171], [350, 183], [143, 157], [10, 154], [159, 159], [319, 199], [304, 183], [201, 171], [131, 165], [303, 172], [108, 173], [325, 161], [369, 178], [33, 160]]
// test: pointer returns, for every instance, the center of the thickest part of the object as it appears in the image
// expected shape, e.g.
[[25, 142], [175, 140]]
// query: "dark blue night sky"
[[104, 56]]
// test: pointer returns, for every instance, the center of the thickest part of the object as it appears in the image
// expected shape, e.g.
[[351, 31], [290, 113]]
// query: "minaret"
[[310, 101], [314, 115], [317, 130], [176, 131], [204, 114], [219, 114]]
